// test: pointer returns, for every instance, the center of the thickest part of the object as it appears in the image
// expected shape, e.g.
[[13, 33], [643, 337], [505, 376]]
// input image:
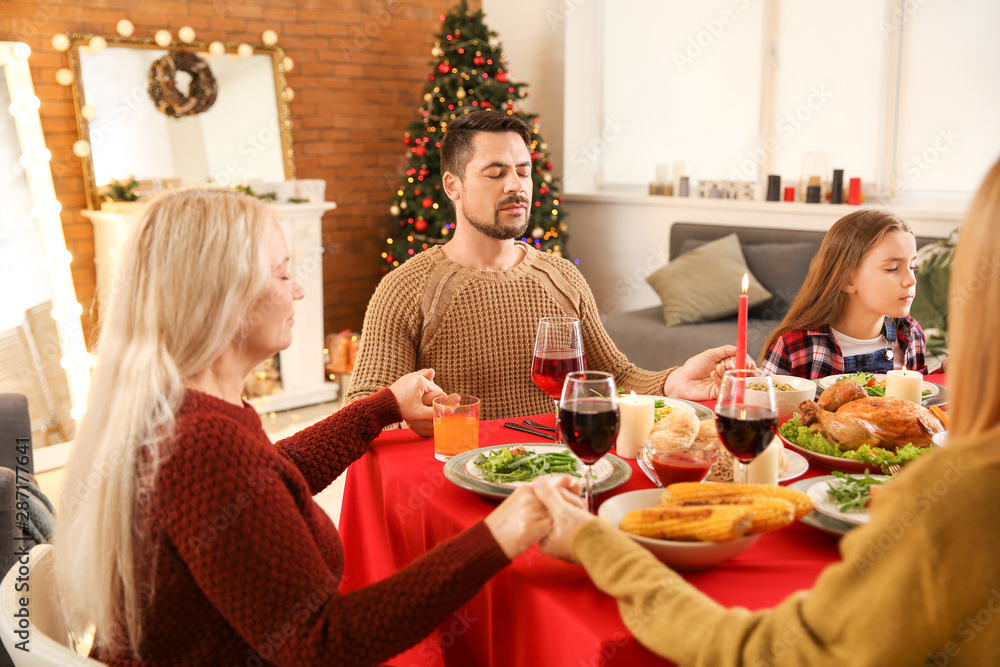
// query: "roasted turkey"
[[888, 423]]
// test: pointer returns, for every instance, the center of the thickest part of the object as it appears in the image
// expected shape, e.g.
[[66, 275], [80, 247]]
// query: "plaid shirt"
[[815, 353]]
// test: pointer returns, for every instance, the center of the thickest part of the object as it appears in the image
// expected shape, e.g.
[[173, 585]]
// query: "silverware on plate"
[[525, 429]]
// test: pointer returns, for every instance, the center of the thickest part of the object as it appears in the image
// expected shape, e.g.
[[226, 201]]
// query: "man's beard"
[[496, 229]]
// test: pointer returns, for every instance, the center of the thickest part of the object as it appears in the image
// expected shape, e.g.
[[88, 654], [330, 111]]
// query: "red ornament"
[[485, 105], [420, 225], [428, 202], [388, 259], [406, 141], [548, 166], [416, 193], [534, 157], [420, 150], [444, 68], [501, 77], [543, 190], [479, 60]]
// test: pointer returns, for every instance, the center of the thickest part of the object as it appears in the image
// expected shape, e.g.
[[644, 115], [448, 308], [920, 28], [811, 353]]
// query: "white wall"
[[532, 35]]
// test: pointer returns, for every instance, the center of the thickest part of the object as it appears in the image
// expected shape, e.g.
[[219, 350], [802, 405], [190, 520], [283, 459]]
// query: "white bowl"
[[788, 401], [679, 555], [940, 439]]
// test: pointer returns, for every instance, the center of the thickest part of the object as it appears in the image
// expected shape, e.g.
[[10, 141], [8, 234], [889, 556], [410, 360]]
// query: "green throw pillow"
[[704, 284]]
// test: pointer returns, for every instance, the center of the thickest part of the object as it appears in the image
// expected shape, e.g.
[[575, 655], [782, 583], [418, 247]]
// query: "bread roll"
[[677, 429]]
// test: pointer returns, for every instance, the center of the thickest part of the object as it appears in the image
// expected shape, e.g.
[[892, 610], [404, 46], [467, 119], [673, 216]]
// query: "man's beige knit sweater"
[[476, 329]]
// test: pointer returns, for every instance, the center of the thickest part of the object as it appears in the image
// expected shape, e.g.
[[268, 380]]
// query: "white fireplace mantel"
[[303, 376]]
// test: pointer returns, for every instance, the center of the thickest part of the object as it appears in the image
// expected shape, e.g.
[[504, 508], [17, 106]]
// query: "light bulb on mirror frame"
[[216, 48], [289, 94], [21, 51], [89, 111], [186, 34], [60, 42], [244, 50], [81, 148], [64, 77], [269, 37], [288, 63], [125, 28], [163, 38], [97, 44]]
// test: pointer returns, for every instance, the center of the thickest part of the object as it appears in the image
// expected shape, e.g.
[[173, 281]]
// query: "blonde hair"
[[191, 269], [974, 315], [822, 299]]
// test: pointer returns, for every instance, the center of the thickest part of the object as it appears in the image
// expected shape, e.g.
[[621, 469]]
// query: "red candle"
[[854, 192], [741, 326], [789, 194]]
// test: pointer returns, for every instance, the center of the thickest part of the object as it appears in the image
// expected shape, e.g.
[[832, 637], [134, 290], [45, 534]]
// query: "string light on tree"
[[469, 73]]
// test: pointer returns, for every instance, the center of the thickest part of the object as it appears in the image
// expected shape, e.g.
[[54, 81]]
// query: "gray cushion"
[[704, 284]]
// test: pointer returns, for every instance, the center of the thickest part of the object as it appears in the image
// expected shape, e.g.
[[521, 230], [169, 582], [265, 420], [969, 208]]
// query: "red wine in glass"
[[549, 369], [589, 427], [746, 431]]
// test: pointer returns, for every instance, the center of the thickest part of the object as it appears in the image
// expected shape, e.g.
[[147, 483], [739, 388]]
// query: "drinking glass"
[[558, 352], [456, 425], [746, 429], [588, 419]]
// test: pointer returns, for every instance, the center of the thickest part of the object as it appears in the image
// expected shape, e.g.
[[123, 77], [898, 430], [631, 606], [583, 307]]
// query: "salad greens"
[[853, 492], [805, 437], [517, 464]]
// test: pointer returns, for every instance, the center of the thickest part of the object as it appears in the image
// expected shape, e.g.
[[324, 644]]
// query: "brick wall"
[[360, 66]]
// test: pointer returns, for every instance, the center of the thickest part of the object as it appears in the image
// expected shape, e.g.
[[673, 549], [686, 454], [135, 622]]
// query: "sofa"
[[778, 258]]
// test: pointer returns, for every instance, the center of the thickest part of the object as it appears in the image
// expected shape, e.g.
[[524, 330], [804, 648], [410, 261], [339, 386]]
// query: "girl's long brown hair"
[[974, 315], [822, 299]]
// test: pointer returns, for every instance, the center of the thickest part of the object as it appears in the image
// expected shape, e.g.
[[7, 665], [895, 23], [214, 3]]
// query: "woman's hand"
[[414, 393], [521, 519], [568, 516]]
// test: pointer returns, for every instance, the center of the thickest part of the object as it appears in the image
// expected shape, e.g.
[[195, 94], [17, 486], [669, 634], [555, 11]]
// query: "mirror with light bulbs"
[[120, 83], [42, 349]]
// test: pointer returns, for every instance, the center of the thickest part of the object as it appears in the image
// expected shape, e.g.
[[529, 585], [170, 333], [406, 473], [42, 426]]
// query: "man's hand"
[[414, 392], [700, 376], [521, 520]]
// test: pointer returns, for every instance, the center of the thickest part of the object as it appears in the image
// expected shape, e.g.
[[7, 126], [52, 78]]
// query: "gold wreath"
[[163, 86]]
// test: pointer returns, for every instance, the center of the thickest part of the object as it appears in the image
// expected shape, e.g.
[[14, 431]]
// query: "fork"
[[528, 422], [894, 469]]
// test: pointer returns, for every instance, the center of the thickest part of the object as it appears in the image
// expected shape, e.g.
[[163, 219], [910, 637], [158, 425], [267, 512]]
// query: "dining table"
[[398, 504]]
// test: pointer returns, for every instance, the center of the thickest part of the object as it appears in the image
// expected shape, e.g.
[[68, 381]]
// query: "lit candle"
[[636, 413], [907, 385], [741, 326]]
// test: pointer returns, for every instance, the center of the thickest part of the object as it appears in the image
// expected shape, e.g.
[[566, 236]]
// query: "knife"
[[525, 429]]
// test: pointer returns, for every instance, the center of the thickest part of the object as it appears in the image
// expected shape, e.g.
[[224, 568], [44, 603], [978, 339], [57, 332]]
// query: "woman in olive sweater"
[[918, 585], [185, 536]]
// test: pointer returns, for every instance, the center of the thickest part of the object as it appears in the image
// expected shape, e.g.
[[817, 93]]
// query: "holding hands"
[[414, 393]]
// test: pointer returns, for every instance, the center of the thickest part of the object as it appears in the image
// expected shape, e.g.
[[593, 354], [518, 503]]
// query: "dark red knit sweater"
[[247, 565]]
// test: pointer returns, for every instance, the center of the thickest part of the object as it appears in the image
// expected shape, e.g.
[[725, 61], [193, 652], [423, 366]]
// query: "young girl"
[[852, 313]]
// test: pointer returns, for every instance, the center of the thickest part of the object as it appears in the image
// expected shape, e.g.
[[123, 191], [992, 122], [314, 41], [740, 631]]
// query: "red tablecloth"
[[398, 505]]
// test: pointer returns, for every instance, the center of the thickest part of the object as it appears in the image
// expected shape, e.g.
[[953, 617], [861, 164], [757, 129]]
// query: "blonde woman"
[[918, 585], [185, 536]]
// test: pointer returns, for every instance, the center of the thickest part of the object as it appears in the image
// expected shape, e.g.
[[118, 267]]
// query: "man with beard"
[[469, 309]]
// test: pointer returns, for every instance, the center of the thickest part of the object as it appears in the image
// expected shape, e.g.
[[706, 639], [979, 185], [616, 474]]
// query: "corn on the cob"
[[711, 493], [769, 514], [720, 523]]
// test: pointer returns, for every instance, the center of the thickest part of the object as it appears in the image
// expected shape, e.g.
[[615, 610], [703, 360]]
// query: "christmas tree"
[[468, 74]]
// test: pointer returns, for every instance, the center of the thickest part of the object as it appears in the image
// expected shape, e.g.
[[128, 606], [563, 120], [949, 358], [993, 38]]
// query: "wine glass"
[[588, 419], [746, 428], [558, 351]]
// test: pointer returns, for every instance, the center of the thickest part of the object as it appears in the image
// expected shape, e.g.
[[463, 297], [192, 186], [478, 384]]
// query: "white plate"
[[826, 504], [679, 555], [680, 404], [938, 395], [601, 470], [797, 466]]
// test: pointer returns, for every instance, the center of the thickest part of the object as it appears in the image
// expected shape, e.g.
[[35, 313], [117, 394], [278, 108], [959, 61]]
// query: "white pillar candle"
[[662, 174], [636, 422], [764, 468], [907, 385]]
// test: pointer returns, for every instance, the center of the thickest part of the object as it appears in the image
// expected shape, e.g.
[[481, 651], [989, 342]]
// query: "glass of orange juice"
[[456, 425]]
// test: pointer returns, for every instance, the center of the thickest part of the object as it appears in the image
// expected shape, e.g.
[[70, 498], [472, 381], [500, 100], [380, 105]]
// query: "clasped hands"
[[548, 512]]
